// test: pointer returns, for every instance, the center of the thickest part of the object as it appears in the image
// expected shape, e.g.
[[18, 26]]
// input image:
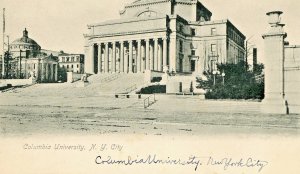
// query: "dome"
[[25, 40]]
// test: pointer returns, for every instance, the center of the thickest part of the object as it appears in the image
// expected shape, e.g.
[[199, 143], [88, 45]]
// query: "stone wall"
[[292, 78], [17, 82], [73, 77]]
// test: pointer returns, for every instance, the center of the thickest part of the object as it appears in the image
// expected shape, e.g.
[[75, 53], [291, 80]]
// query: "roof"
[[25, 40]]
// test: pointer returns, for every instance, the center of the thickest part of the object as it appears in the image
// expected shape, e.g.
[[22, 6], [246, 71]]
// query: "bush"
[[154, 89], [239, 83]]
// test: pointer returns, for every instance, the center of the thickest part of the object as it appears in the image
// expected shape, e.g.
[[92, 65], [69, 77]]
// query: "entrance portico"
[[128, 56]]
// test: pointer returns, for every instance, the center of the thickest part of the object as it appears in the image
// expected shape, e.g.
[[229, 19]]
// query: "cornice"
[[126, 33], [123, 21], [145, 3]]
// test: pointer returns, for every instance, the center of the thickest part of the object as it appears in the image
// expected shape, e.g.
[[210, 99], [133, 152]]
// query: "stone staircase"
[[99, 85], [115, 83]]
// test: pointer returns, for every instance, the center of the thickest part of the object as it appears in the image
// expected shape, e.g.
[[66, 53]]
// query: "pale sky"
[[60, 24]]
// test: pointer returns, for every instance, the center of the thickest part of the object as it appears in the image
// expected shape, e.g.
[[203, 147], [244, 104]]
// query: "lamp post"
[[214, 73], [223, 77], [20, 70]]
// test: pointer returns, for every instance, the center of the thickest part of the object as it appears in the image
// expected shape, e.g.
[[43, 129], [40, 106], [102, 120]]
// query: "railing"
[[149, 101], [130, 89], [110, 78], [126, 90]]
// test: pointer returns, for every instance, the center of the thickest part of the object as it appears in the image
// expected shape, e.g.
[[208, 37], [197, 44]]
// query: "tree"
[[62, 74], [239, 83]]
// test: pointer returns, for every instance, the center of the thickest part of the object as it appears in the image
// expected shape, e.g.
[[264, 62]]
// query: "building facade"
[[29, 61], [43, 68], [72, 62], [159, 35]]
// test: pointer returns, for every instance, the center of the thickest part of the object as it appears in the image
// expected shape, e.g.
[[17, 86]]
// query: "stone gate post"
[[274, 101]]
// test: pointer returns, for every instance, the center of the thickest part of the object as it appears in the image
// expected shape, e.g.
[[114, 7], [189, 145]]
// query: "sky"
[[60, 24]]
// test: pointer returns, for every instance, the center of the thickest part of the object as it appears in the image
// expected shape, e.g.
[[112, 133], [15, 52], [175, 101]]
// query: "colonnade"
[[129, 56], [42, 70]]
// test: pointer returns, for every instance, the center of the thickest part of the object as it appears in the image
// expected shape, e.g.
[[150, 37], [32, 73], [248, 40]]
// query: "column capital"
[[130, 41], [106, 43]]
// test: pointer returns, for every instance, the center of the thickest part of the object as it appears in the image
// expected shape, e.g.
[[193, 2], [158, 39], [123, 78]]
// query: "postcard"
[[149, 86]]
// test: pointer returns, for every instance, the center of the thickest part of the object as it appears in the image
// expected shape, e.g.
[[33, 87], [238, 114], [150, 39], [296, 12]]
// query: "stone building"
[[72, 62], [29, 61], [42, 68], [158, 35]]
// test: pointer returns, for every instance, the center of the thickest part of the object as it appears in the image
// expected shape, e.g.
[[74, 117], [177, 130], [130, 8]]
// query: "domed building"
[[28, 61], [24, 46]]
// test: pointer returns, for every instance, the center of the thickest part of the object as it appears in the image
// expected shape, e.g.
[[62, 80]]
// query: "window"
[[68, 59], [180, 46], [213, 48], [193, 32], [213, 31], [67, 66], [71, 66], [193, 52], [72, 59], [77, 66]]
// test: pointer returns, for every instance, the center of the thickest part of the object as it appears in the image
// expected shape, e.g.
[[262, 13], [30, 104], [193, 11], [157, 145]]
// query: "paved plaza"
[[87, 111]]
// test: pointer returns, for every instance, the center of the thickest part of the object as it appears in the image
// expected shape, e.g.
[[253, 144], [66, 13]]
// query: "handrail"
[[130, 89], [126, 90], [110, 78], [148, 102]]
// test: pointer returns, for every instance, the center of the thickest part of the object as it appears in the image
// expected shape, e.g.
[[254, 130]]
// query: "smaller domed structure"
[[24, 44]]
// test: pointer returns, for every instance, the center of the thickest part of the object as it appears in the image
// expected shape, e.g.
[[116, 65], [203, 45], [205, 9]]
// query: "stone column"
[[151, 57], [99, 58], [106, 57], [147, 54], [126, 60], [159, 62], [172, 55], [274, 101], [143, 58], [155, 54], [130, 57], [113, 61], [92, 61], [121, 56], [43, 72], [51, 72], [38, 71], [47, 75], [165, 48], [138, 57], [56, 74]]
